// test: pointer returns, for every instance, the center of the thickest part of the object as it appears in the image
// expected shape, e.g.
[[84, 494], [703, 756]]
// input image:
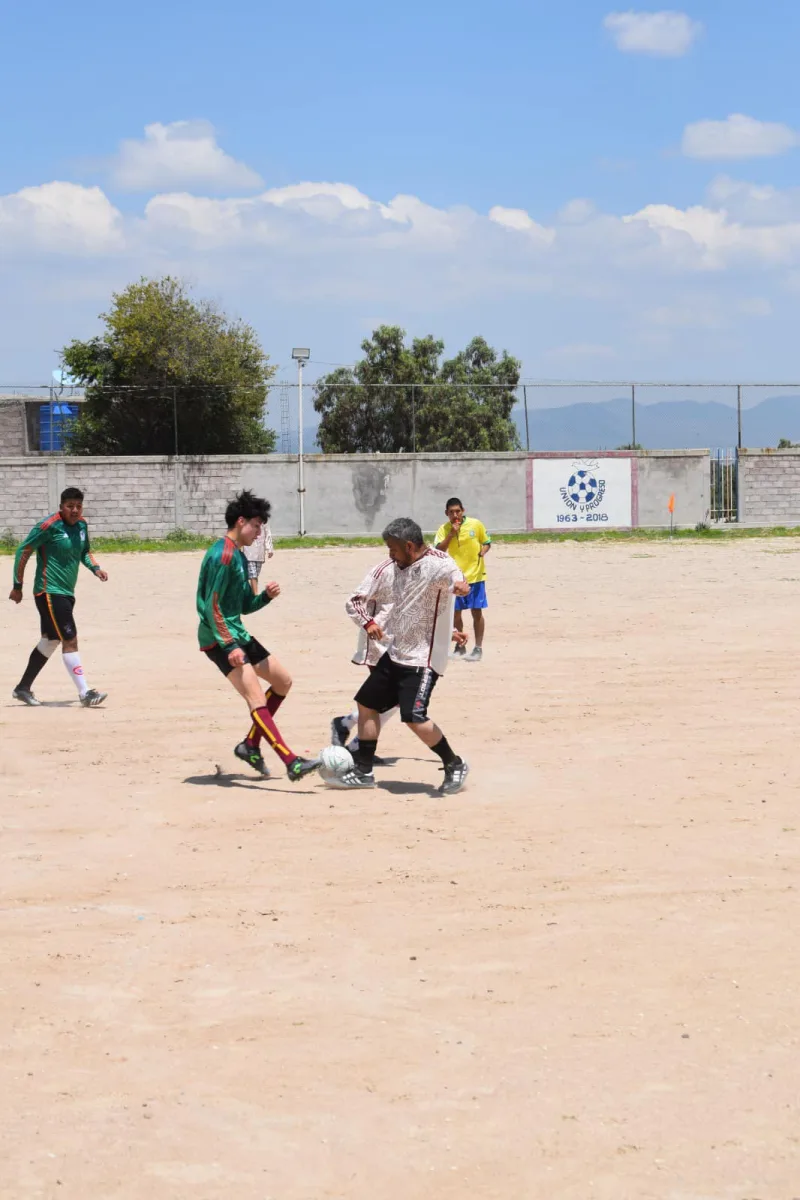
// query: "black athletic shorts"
[[254, 653], [389, 684], [56, 616]]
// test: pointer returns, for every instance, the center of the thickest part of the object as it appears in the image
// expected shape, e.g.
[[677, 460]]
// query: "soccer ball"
[[582, 487], [336, 762]]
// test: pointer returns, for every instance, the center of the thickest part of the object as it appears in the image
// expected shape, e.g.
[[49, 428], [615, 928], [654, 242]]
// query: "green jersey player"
[[60, 543], [223, 595]]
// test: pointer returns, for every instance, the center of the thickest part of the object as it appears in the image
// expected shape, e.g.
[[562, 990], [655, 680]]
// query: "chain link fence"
[[547, 416]]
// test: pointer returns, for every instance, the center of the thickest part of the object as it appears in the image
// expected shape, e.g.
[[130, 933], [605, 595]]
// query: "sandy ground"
[[576, 980]]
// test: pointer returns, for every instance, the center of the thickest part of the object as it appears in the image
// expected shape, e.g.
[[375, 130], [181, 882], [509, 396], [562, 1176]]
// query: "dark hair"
[[248, 506], [453, 500], [71, 494], [403, 529]]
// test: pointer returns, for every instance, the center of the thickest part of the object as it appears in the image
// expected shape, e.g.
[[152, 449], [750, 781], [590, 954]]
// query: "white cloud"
[[576, 289], [60, 218], [181, 154], [737, 136], [521, 222], [662, 34]]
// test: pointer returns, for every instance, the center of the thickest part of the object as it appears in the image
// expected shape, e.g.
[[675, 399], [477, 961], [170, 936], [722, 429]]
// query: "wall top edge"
[[619, 454], [76, 461], [771, 452]]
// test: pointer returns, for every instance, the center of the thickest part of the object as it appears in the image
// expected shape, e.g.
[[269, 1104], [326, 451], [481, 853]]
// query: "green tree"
[[399, 397], [163, 355]]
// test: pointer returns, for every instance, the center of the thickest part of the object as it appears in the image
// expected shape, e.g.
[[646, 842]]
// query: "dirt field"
[[578, 979]]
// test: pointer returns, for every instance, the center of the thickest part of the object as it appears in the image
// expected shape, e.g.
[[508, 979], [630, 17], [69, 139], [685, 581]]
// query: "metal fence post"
[[527, 431], [414, 418], [739, 413], [175, 417], [633, 416]]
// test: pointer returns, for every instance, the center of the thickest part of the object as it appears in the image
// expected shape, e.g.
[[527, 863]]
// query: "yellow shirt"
[[466, 547]]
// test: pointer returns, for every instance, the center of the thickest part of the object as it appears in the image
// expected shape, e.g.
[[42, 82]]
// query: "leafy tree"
[[400, 398], [164, 354]]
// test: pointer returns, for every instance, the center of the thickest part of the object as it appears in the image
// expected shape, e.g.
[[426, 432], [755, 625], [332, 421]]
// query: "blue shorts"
[[475, 599]]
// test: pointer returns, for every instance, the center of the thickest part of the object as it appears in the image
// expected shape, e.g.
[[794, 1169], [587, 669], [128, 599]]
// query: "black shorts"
[[56, 616], [389, 684], [254, 653]]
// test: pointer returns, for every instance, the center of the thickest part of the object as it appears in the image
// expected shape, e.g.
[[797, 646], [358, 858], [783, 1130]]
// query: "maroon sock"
[[263, 718], [254, 736], [274, 701]]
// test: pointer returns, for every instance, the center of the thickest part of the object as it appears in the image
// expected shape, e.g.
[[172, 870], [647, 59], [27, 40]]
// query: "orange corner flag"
[[671, 505]]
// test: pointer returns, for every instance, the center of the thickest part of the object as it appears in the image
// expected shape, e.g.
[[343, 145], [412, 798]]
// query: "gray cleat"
[[26, 696], [476, 655], [455, 777], [93, 698], [355, 780]]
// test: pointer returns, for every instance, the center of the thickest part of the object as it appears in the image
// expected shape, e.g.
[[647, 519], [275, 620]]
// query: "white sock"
[[72, 662], [351, 720]]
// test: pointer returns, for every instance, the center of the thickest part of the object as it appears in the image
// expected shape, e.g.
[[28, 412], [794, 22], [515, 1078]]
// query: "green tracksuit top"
[[60, 549], [223, 594]]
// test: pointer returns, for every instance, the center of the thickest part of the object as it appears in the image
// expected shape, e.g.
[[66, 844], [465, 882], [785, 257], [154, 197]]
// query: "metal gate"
[[724, 486]]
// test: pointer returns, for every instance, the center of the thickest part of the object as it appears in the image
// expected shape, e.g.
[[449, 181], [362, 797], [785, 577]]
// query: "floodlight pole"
[[301, 356], [301, 490]]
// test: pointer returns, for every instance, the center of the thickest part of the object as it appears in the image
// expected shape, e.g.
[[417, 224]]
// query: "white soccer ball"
[[336, 762]]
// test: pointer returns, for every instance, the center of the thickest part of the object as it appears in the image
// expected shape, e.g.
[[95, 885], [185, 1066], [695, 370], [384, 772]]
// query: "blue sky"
[[568, 196]]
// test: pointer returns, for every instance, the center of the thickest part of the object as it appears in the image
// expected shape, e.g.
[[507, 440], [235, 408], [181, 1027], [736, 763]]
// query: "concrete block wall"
[[686, 473], [345, 494], [13, 431], [769, 487]]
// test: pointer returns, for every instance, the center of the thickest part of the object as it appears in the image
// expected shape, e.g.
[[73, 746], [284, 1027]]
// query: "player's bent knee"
[[69, 647], [47, 648]]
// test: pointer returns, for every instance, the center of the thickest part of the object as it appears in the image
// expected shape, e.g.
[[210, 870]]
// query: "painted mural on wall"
[[370, 488]]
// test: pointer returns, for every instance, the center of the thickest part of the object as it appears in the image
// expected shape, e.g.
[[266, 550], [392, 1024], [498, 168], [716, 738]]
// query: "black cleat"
[[339, 732], [92, 698], [455, 776], [300, 767], [355, 779], [26, 696], [253, 758]]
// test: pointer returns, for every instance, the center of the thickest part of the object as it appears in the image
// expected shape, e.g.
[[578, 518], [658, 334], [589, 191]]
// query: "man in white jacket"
[[416, 587], [257, 554]]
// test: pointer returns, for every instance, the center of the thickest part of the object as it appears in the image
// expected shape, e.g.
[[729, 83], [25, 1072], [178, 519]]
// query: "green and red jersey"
[[223, 594], [60, 549]]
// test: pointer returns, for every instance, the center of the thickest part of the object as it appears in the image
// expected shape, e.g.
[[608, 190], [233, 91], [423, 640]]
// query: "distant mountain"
[[668, 425]]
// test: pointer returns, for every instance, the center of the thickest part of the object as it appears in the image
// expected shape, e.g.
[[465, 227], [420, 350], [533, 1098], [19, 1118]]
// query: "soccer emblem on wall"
[[584, 491]]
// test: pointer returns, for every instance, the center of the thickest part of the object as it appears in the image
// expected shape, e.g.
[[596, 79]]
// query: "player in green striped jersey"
[[61, 544], [223, 595]]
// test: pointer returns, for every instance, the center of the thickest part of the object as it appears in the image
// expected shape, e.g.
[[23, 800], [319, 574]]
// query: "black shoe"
[[459, 652], [252, 757], [300, 767], [26, 696], [354, 779], [339, 732], [92, 698], [455, 776]]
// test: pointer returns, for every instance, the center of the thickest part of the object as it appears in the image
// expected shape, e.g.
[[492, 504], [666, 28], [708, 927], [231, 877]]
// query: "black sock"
[[36, 661], [445, 752], [364, 757]]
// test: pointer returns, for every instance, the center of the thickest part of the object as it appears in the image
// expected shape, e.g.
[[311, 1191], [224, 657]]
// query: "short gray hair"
[[403, 529]]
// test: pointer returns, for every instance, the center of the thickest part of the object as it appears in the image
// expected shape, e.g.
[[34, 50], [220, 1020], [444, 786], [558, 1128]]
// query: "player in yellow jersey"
[[466, 541]]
